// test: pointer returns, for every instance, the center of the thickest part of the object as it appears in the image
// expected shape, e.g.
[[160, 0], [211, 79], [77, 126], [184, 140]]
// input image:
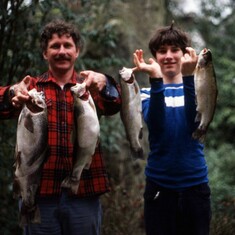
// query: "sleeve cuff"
[[109, 91]]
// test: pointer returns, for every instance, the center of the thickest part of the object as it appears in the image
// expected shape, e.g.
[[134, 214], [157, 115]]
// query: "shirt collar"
[[48, 77]]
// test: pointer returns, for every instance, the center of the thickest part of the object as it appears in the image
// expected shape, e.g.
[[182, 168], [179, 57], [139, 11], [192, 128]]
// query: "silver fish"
[[30, 154], [86, 135], [206, 93], [131, 111]]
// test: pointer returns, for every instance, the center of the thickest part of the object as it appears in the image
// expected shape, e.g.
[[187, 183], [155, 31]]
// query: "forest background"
[[112, 30]]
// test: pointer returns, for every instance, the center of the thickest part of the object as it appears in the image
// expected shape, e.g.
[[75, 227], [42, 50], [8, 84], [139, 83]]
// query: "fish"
[[30, 155], [206, 93], [131, 111], [85, 135]]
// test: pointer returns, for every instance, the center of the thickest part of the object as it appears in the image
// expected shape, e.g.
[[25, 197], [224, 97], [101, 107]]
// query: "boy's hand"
[[189, 61], [152, 69]]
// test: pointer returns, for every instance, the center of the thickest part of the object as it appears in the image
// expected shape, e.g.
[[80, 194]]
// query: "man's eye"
[[55, 46], [68, 46]]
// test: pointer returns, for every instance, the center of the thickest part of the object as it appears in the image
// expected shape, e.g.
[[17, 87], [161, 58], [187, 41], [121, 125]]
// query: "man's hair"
[[60, 28], [169, 35]]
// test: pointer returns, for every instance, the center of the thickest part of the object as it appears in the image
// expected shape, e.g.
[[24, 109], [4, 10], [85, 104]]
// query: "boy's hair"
[[61, 28], [169, 36]]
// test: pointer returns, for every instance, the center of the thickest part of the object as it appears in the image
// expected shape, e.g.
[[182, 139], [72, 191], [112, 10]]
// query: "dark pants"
[[177, 213], [67, 216]]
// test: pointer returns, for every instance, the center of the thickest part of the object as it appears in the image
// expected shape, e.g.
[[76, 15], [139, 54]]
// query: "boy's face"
[[61, 53], [169, 59]]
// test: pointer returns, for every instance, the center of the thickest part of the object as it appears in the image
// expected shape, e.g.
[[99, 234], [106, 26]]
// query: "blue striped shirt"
[[176, 160]]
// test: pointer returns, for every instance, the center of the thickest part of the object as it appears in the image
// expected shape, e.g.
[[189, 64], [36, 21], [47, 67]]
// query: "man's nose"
[[61, 49]]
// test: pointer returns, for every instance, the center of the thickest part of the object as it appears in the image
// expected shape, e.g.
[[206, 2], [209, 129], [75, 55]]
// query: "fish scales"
[[85, 136], [30, 154], [131, 111], [206, 93]]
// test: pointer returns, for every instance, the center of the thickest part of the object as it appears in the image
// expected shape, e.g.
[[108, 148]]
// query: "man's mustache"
[[62, 57]]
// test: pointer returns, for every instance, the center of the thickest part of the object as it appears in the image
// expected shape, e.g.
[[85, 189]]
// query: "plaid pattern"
[[60, 124]]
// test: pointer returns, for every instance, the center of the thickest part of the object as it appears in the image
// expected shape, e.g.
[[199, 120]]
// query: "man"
[[177, 195], [60, 212]]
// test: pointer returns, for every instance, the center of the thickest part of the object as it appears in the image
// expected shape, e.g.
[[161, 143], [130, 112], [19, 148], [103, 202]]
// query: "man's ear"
[[78, 52], [44, 55]]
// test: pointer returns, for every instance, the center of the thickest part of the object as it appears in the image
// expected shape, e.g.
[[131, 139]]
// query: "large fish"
[[86, 135], [206, 93], [131, 111], [30, 154]]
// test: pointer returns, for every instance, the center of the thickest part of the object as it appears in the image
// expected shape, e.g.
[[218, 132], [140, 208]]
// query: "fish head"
[[79, 89], [37, 98], [126, 73], [204, 58]]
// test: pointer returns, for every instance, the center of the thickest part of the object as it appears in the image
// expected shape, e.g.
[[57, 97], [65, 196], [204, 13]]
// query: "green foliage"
[[221, 167], [8, 205]]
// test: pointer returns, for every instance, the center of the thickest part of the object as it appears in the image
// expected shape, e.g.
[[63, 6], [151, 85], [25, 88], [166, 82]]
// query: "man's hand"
[[94, 81], [189, 61], [21, 92], [152, 69]]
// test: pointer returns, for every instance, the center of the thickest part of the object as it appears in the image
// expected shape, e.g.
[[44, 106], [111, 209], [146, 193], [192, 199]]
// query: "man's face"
[[61, 53]]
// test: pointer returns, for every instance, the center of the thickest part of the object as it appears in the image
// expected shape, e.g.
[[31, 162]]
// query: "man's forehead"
[[60, 35]]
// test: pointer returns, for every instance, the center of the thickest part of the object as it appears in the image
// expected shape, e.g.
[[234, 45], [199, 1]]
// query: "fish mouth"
[[206, 58], [207, 55]]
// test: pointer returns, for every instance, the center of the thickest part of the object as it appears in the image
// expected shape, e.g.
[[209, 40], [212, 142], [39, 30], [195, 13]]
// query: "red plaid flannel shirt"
[[60, 123]]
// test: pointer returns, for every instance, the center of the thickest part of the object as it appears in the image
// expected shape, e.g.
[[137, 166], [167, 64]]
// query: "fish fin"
[[29, 215], [141, 133], [198, 117], [88, 164], [28, 123], [139, 154], [71, 184], [199, 135], [66, 183], [16, 189], [17, 159]]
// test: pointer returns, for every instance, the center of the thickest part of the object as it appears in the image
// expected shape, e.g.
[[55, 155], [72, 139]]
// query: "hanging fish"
[[131, 111], [86, 135], [30, 154], [206, 93]]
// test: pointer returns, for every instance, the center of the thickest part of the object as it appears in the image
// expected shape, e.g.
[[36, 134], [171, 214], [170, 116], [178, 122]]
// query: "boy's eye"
[[174, 49], [162, 51]]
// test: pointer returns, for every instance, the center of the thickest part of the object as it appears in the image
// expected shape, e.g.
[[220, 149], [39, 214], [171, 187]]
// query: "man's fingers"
[[26, 81]]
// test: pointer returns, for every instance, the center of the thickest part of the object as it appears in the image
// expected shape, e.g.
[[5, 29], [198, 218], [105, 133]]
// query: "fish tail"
[[29, 215], [70, 184], [198, 117], [200, 135]]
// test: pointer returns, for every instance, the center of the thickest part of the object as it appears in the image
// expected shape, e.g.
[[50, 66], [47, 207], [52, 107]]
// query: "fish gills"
[[131, 111], [87, 131], [206, 93], [30, 154]]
